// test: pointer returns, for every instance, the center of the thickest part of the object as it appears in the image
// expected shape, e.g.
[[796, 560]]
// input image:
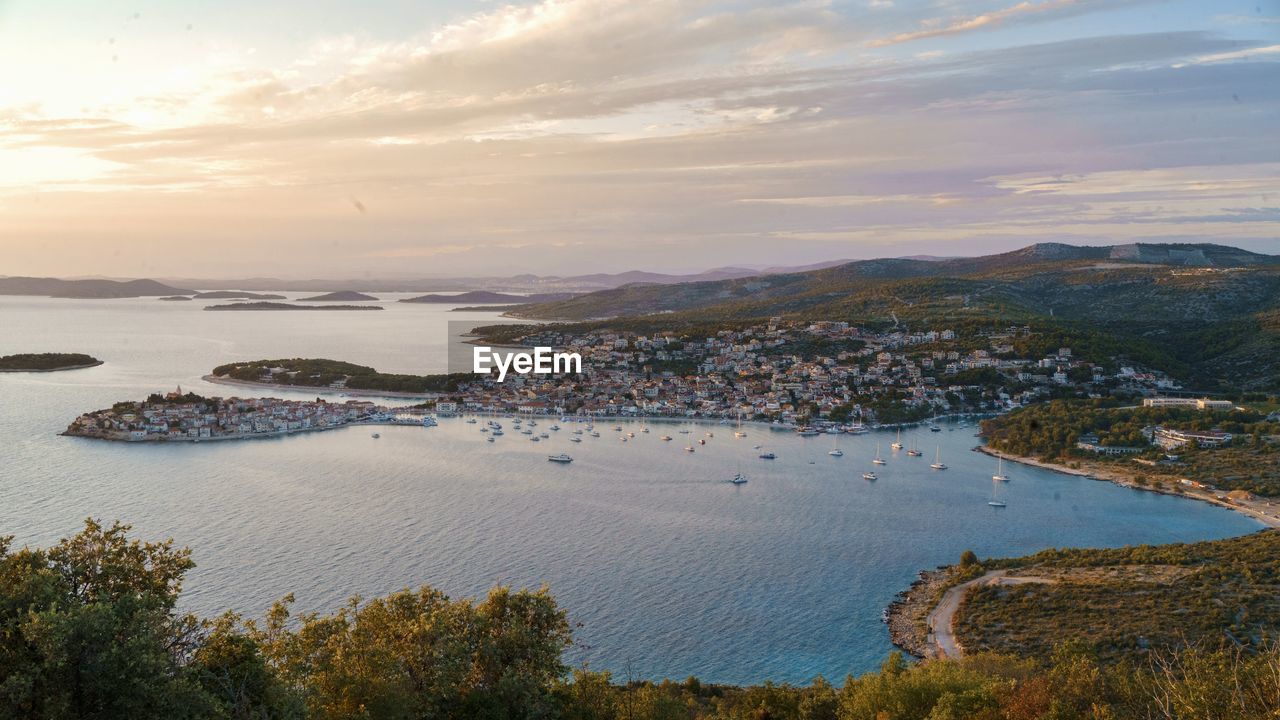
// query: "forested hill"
[[1208, 314], [1036, 279]]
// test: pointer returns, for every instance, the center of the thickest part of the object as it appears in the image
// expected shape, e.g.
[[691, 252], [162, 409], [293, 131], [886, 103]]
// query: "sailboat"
[[835, 451], [995, 500], [913, 452], [897, 444], [878, 460], [937, 463], [739, 433], [1000, 476]]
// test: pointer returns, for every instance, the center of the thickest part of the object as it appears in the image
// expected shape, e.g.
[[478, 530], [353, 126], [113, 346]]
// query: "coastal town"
[[805, 373], [186, 417]]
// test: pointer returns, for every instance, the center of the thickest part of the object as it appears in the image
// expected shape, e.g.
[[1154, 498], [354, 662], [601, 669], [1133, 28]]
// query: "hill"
[[340, 296], [86, 289], [1128, 602], [1211, 313], [485, 297], [1036, 266]]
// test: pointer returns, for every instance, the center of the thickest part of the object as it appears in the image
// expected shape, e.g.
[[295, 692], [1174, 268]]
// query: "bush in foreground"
[[89, 629]]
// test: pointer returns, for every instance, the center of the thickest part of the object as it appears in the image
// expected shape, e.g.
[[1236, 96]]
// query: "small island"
[[175, 298], [236, 295], [333, 376], [269, 306], [341, 296], [47, 362]]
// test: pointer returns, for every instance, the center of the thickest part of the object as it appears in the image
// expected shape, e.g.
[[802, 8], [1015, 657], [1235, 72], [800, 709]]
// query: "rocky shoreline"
[[908, 615]]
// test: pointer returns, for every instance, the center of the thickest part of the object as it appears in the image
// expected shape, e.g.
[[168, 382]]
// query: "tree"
[[88, 629]]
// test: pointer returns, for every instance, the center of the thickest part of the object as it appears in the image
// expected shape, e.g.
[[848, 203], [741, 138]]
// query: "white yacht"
[[561, 458], [1000, 476], [836, 452], [937, 463], [575, 439], [738, 479], [868, 475], [995, 500]]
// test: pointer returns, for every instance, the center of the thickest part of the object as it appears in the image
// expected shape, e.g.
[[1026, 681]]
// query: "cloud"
[[559, 132]]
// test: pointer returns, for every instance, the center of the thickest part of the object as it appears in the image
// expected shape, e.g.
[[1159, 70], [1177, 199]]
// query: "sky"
[[392, 138]]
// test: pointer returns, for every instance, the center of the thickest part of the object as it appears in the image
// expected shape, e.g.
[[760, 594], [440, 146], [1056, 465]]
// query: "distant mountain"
[[340, 296], [525, 284], [90, 289], [485, 297], [236, 295]]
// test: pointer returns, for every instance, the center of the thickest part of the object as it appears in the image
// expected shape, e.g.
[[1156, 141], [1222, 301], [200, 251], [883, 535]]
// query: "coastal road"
[[942, 618]]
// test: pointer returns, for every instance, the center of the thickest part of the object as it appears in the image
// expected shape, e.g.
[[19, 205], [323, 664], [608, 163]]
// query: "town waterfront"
[[670, 570]]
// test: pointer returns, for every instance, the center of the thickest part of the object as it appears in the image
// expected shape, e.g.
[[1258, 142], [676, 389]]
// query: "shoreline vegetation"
[[418, 653], [47, 362], [1121, 602], [1261, 509]]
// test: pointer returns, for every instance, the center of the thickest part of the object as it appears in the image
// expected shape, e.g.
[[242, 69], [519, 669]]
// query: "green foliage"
[[1049, 431], [1124, 603], [46, 361], [88, 629], [306, 372]]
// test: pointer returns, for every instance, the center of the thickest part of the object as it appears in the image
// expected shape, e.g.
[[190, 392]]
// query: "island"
[[340, 296], [175, 298], [47, 362], [236, 295], [270, 306], [334, 376], [485, 297], [188, 417]]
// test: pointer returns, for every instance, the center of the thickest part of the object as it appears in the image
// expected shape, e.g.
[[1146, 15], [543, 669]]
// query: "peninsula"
[[188, 417], [47, 362], [334, 376], [270, 306]]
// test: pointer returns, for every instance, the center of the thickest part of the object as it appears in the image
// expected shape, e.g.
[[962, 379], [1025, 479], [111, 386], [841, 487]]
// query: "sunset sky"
[[396, 138]]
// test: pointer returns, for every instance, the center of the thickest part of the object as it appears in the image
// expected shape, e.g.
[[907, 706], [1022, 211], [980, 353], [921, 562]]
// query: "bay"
[[667, 569]]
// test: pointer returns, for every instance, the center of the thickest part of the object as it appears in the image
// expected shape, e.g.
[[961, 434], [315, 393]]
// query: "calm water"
[[669, 570]]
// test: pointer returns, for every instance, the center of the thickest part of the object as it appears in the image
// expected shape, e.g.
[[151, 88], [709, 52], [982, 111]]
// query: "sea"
[[664, 568]]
